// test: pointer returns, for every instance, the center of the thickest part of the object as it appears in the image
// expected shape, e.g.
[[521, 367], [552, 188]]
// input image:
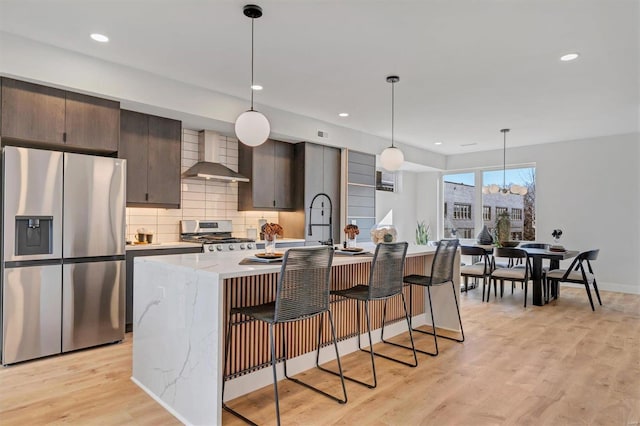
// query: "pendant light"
[[513, 189], [252, 127], [392, 158]]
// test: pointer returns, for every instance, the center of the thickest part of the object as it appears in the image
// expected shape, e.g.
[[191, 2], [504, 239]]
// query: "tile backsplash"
[[200, 199]]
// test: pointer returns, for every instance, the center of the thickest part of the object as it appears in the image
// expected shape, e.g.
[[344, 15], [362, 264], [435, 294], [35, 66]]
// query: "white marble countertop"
[[226, 264], [160, 246]]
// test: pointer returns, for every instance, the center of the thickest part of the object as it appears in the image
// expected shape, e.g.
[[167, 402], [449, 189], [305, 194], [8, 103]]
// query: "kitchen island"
[[180, 313]]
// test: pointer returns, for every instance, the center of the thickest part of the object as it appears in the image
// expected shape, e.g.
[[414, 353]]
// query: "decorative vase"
[[351, 242], [484, 237], [270, 244]]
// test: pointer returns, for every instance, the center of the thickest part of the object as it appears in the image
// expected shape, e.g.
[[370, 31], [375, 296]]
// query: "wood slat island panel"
[[250, 340]]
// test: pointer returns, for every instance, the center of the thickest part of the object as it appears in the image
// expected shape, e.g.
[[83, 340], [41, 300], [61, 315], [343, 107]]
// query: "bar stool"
[[302, 293], [441, 274], [385, 282]]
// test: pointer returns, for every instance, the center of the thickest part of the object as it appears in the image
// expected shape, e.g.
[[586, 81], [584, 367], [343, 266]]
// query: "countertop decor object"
[[271, 231], [484, 237], [392, 158], [384, 234], [510, 244], [252, 127]]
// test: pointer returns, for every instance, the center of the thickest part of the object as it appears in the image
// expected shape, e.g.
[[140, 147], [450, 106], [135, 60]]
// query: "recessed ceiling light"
[[569, 57], [437, 143], [100, 37], [344, 114], [256, 87]]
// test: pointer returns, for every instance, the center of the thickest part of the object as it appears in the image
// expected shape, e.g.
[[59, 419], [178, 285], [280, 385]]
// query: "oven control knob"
[[219, 248], [249, 246], [231, 247], [211, 248], [242, 247]]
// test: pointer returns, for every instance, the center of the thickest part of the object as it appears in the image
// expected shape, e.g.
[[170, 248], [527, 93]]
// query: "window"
[[516, 214], [520, 204], [465, 233], [486, 213], [461, 211], [459, 192]]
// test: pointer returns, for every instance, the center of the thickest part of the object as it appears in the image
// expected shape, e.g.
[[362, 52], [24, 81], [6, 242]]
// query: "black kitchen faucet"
[[328, 242]]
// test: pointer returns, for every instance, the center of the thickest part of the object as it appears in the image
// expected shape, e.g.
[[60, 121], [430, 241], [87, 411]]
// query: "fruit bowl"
[[510, 244]]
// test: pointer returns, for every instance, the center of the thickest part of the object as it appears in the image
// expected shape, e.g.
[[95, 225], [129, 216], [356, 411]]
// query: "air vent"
[[469, 144]]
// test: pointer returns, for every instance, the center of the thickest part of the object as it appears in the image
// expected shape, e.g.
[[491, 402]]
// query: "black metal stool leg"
[[226, 360], [275, 374], [406, 314], [313, 388]]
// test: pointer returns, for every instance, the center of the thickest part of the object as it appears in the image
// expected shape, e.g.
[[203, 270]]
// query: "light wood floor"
[[553, 365]]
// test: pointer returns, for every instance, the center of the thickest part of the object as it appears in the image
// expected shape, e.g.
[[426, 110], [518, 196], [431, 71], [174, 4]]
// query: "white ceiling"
[[467, 67]]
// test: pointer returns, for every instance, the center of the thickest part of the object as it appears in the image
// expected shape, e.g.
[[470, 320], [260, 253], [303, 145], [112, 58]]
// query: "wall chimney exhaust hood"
[[208, 165]]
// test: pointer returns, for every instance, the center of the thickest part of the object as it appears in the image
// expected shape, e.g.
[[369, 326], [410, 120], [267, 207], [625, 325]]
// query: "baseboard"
[[605, 286], [173, 412]]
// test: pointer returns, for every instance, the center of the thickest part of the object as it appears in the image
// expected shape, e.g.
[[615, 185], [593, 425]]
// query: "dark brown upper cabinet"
[[152, 147], [92, 123], [270, 168], [40, 115]]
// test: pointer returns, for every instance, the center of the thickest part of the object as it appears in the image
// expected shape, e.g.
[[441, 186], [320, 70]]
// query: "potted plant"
[[422, 233], [503, 228]]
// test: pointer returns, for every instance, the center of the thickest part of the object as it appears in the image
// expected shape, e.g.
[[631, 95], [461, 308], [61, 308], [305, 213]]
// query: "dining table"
[[537, 255]]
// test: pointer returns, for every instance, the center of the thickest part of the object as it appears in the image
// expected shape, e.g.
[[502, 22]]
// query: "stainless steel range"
[[215, 235]]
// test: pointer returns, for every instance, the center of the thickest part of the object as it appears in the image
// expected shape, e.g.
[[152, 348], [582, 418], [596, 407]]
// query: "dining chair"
[[514, 274], [385, 282], [441, 274], [481, 269], [577, 274], [302, 292]]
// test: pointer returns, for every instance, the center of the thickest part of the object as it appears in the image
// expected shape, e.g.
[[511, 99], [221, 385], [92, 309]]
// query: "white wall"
[[401, 205], [197, 107], [416, 202], [588, 188]]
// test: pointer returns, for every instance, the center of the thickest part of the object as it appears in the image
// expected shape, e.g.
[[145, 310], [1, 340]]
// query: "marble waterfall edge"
[[176, 339]]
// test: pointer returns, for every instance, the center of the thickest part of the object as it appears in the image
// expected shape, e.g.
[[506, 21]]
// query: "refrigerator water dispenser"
[[34, 235]]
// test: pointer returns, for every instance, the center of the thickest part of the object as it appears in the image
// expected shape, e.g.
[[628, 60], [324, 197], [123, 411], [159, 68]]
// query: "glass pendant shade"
[[252, 128], [494, 189], [391, 158]]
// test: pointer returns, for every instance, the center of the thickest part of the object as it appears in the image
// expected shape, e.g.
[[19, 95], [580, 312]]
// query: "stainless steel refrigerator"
[[63, 233]]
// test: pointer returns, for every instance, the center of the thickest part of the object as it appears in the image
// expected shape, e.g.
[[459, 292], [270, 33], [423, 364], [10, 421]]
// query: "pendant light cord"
[[504, 161], [252, 19], [393, 102]]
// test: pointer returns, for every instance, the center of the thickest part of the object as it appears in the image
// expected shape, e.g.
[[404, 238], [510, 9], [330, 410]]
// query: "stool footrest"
[[308, 386], [351, 379], [238, 415], [438, 335]]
